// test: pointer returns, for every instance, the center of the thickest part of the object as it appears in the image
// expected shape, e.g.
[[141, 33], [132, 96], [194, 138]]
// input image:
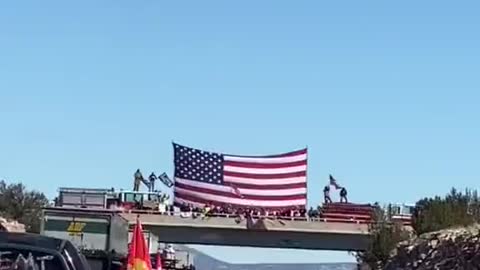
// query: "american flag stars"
[[198, 165]]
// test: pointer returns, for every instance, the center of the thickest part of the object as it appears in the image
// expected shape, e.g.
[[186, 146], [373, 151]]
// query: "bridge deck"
[[275, 233], [319, 234], [232, 223]]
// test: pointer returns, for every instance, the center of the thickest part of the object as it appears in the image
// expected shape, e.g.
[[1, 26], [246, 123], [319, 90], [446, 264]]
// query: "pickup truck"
[[36, 252]]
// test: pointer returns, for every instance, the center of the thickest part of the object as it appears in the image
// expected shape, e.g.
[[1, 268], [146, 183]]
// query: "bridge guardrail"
[[192, 214], [195, 214]]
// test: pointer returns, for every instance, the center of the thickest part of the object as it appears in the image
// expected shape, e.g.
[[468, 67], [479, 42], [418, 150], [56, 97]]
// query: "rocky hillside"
[[448, 249]]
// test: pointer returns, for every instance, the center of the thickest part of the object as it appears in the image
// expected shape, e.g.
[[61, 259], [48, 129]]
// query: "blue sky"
[[384, 94]]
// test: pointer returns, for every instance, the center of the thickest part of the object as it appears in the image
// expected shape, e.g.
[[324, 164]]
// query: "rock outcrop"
[[448, 249], [11, 226]]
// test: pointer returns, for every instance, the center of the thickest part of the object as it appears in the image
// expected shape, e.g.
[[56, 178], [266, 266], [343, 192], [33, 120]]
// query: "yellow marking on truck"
[[76, 228]]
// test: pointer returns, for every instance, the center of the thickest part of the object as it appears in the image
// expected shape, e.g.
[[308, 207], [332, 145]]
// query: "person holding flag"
[[326, 195], [333, 182], [343, 190], [138, 253], [343, 195]]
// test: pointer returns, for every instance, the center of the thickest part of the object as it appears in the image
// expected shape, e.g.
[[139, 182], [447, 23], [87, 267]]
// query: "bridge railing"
[[346, 219]]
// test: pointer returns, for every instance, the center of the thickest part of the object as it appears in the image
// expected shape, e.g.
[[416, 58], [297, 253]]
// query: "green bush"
[[455, 209], [431, 214], [385, 237], [25, 206]]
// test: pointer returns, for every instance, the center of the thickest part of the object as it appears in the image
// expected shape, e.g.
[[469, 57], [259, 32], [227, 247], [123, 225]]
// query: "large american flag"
[[278, 181]]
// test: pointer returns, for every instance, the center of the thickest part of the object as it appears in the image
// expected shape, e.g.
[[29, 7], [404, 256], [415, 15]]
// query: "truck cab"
[[139, 200]]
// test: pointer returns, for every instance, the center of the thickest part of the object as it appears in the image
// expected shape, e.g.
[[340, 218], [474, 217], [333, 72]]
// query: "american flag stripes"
[[278, 181]]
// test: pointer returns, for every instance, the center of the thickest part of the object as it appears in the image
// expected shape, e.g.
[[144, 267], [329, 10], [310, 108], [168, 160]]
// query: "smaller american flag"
[[333, 182]]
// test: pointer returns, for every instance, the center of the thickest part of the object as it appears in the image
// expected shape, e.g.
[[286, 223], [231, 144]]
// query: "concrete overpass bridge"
[[271, 233]]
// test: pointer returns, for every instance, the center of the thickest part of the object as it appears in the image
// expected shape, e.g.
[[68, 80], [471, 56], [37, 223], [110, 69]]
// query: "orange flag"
[[138, 254]]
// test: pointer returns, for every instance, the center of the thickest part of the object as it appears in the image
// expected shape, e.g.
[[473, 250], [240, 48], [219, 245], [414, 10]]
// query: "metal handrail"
[[285, 218], [197, 214], [347, 219]]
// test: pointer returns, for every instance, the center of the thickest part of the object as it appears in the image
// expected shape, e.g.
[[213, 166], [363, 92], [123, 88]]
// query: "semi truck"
[[87, 229], [84, 217]]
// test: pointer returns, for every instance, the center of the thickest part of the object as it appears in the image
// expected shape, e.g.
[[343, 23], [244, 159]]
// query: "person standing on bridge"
[[151, 180], [138, 177], [326, 195], [343, 195]]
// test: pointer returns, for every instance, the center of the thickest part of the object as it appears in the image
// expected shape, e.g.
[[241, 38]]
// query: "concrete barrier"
[[232, 223], [274, 233]]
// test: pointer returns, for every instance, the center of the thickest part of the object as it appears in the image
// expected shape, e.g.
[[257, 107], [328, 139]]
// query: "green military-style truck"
[[83, 217], [92, 230]]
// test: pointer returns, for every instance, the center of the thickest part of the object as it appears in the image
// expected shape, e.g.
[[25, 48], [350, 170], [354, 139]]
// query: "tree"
[[455, 209], [25, 206], [385, 236]]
